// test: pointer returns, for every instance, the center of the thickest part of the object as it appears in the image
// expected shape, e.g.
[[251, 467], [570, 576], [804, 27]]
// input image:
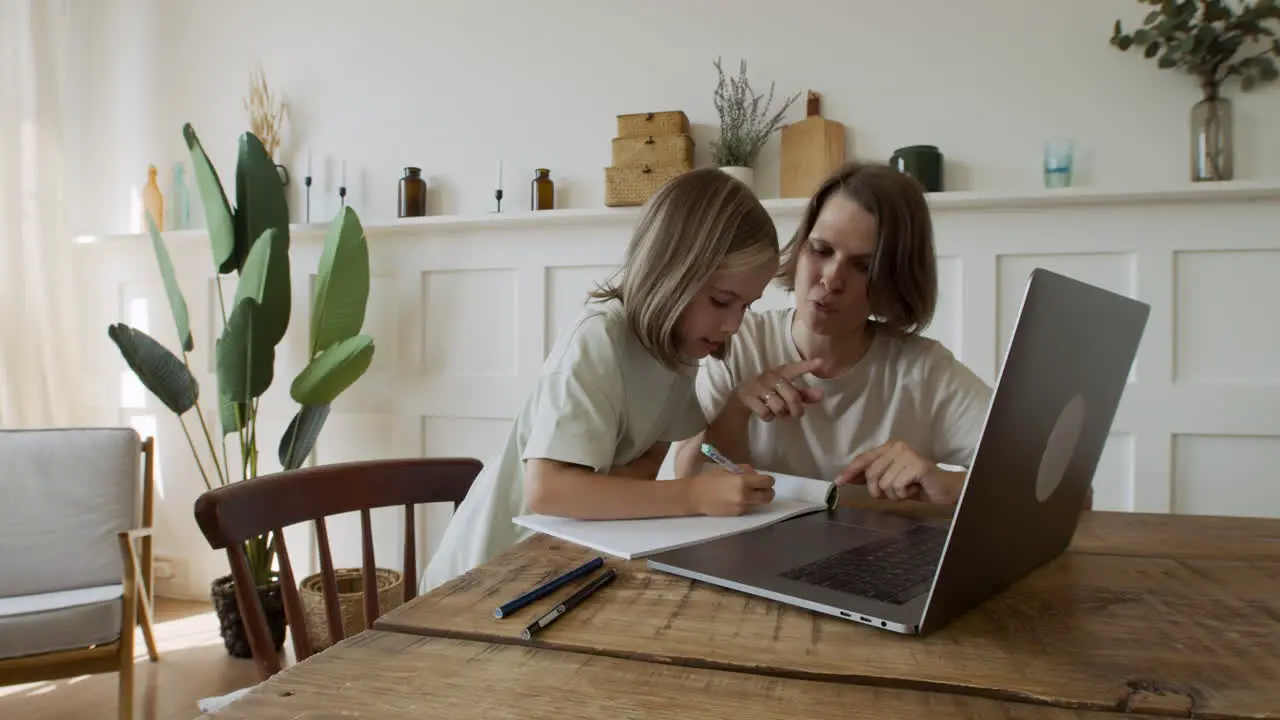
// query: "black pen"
[[548, 587], [583, 593]]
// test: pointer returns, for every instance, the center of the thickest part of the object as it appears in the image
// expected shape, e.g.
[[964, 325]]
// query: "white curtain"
[[40, 351]]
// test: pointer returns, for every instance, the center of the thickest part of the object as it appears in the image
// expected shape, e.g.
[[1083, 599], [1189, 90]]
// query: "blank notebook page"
[[630, 539]]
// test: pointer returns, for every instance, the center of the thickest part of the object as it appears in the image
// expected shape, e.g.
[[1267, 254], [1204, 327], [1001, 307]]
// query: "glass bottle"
[[152, 200], [180, 199], [1212, 146], [542, 196], [413, 193]]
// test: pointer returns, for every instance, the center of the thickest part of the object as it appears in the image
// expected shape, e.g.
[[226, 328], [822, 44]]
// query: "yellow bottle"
[[152, 200]]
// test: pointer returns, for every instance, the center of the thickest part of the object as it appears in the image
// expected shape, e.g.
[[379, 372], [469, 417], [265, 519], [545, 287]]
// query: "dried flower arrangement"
[[266, 112], [745, 123]]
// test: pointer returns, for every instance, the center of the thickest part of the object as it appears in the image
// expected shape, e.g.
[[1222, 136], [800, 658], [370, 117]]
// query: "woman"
[[842, 385]]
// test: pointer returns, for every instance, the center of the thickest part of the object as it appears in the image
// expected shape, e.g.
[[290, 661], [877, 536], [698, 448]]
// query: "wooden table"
[[1145, 613], [390, 676]]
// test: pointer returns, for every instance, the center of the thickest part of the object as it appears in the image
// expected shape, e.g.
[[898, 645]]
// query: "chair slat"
[[293, 612], [410, 555], [329, 581], [370, 574], [252, 614]]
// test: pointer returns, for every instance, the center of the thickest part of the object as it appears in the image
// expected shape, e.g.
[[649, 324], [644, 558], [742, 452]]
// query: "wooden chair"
[[74, 582], [231, 514]]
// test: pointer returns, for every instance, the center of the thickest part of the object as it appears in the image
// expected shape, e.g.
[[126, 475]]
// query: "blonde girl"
[[618, 386]]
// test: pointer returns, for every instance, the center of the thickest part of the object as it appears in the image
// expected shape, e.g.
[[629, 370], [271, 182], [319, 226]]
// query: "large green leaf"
[[245, 362], [232, 415], [177, 304], [300, 437], [333, 371], [159, 370], [264, 278], [260, 199], [217, 213], [342, 283]]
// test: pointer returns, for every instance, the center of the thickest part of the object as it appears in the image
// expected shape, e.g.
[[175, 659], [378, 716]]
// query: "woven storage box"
[[670, 122], [625, 186], [654, 151], [350, 602]]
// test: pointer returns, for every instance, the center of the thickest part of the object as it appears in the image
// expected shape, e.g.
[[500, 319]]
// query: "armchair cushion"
[[67, 492], [64, 620]]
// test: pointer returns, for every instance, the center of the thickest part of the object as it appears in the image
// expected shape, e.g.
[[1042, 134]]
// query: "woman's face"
[[833, 268]]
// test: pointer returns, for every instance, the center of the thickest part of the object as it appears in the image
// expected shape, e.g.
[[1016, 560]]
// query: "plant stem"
[[203, 475], [222, 480]]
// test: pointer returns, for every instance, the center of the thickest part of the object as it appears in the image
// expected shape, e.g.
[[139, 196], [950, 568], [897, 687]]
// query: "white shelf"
[[1229, 191]]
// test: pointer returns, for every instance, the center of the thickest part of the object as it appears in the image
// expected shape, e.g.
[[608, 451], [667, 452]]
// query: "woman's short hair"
[[696, 224], [903, 280]]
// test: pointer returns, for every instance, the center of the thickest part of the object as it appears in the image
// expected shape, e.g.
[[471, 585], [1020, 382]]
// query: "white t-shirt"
[[602, 400], [906, 388]]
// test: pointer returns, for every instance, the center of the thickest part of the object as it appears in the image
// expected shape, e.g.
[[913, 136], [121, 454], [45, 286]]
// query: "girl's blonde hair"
[[699, 222]]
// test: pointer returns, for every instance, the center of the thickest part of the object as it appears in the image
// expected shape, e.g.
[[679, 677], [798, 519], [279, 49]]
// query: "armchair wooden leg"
[[128, 618], [135, 576]]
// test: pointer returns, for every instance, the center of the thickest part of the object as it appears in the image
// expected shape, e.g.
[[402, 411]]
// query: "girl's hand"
[[774, 394], [895, 471], [720, 492]]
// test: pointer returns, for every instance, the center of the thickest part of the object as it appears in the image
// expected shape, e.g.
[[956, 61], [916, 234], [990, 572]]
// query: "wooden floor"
[[193, 664]]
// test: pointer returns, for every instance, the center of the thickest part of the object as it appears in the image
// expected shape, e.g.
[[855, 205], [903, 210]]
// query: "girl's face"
[[833, 267], [715, 313]]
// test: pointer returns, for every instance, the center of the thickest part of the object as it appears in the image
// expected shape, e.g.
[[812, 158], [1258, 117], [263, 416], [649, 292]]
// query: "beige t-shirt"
[[602, 400], [904, 388]]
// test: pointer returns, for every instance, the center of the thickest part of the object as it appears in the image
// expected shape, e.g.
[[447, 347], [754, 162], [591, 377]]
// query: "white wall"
[[452, 85]]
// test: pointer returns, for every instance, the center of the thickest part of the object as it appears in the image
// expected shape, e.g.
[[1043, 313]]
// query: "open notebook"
[[630, 539]]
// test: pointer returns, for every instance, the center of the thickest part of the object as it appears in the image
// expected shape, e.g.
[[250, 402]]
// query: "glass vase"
[[1212, 146]]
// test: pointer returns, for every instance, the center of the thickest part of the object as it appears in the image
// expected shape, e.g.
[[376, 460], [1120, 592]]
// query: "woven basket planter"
[[350, 583]]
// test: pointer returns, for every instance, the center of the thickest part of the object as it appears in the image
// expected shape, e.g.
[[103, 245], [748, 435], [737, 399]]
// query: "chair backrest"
[[231, 514], [66, 493]]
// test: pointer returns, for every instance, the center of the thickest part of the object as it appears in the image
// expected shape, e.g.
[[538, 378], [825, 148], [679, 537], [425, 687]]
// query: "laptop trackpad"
[[789, 544]]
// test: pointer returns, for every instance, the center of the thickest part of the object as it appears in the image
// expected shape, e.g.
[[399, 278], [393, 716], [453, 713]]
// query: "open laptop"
[[1065, 369]]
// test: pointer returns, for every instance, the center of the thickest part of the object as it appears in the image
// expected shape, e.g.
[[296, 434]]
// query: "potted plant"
[[1214, 41], [251, 242], [745, 123]]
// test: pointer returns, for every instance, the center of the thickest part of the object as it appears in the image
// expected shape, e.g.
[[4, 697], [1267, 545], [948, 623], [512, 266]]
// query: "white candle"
[[499, 186], [308, 163], [344, 172]]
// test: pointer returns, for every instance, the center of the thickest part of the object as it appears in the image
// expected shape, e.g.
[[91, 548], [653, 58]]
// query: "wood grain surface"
[[381, 676], [1092, 631], [1205, 537]]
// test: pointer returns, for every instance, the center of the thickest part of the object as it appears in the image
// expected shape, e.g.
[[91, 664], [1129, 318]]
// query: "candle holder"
[[497, 195], [307, 181], [342, 195]]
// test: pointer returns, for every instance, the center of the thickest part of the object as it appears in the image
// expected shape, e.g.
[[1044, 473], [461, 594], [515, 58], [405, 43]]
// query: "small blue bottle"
[[180, 199]]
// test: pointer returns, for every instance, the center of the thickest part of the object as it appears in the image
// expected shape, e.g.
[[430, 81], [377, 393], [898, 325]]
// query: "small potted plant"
[[1213, 41], [745, 123]]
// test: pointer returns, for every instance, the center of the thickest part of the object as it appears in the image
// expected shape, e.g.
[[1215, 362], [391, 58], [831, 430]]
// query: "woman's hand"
[[775, 394], [896, 471], [720, 492]]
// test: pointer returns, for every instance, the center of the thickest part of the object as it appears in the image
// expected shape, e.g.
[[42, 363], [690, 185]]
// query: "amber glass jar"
[[543, 194], [413, 193]]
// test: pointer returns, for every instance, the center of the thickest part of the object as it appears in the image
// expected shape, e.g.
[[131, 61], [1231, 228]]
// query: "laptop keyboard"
[[886, 569]]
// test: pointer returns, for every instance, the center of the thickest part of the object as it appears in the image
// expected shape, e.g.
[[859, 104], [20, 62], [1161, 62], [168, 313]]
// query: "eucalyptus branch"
[[1203, 37]]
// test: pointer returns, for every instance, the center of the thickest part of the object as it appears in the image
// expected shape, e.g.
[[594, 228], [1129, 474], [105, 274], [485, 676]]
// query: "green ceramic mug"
[[922, 162]]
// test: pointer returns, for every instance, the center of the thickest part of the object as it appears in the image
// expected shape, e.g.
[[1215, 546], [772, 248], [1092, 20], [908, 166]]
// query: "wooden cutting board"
[[812, 149]]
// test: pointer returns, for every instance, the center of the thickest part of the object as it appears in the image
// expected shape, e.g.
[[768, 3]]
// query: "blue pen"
[[709, 450], [547, 587]]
